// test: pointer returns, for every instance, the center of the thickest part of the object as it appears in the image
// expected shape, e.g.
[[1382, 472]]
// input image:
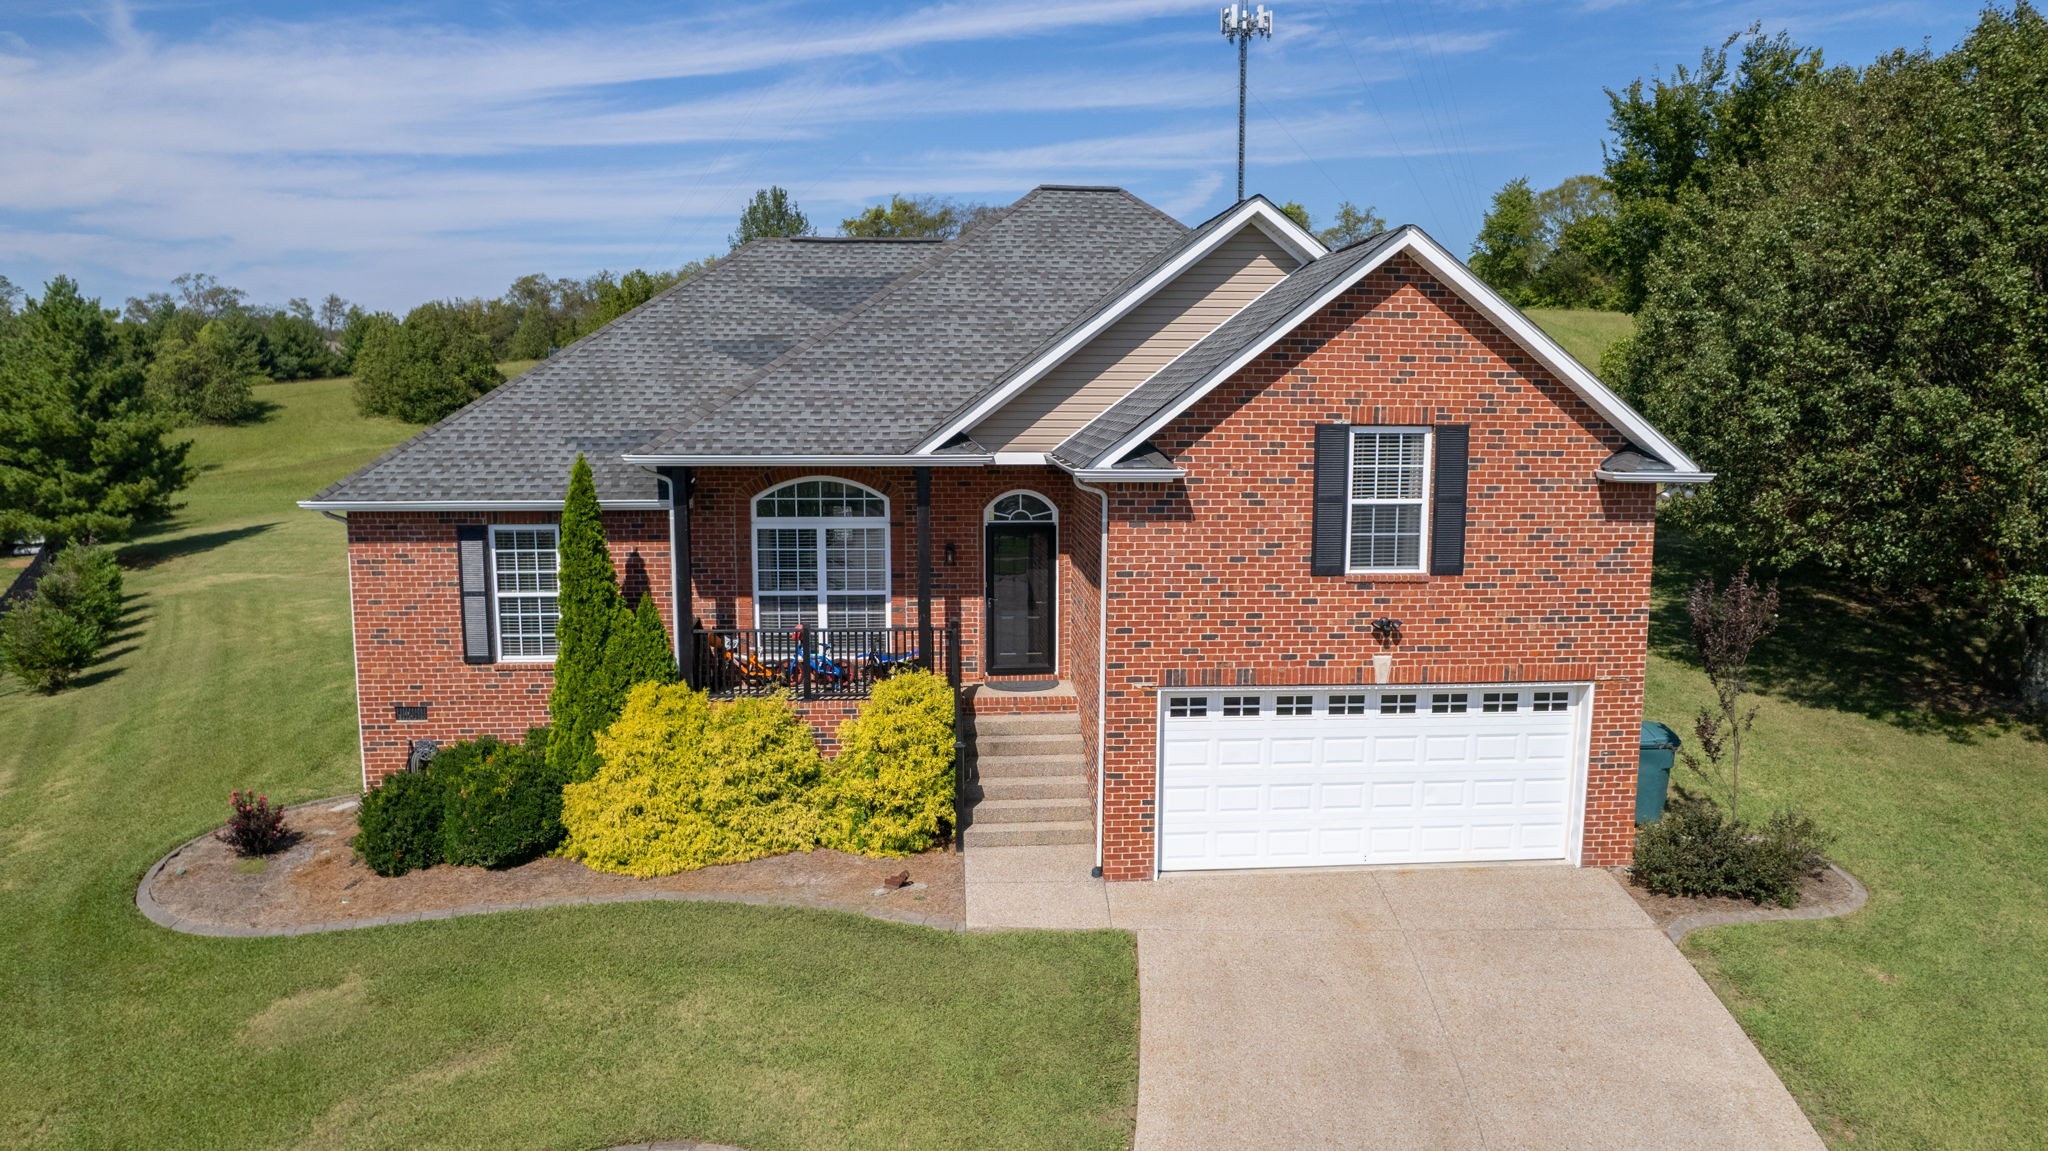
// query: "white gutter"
[[1127, 475], [916, 461], [1654, 477], [1101, 666], [468, 505]]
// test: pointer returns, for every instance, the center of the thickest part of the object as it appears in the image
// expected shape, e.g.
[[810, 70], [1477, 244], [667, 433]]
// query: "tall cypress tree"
[[638, 649], [585, 700], [83, 455]]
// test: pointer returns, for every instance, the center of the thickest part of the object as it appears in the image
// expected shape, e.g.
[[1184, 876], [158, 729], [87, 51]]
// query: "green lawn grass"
[[1585, 333], [568, 1028], [1921, 1021]]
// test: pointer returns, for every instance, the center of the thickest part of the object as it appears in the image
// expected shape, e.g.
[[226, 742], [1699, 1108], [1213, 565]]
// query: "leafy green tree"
[[8, 294], [425, 368], [205, 379], [1509, 243], [915, 216], [292, 347], [1672, 136], [1578, 245], [83, 454], [602, 647], [1294, 211], [355, 330], [1847, 327], [1351, 225], [535, 337], [771, 214]]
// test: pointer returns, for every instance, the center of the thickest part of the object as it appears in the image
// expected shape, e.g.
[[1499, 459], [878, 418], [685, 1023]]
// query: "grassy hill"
[[1585, 333]]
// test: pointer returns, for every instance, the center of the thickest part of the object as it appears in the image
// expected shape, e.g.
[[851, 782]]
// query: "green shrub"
[[425, 368], [46, 645], [398, 828], [502, 803], [1697, 850], [85, 581], [890, 789], [682, 785]]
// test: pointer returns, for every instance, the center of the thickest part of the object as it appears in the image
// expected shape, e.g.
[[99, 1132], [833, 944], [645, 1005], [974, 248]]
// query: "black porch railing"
[[838, 663]]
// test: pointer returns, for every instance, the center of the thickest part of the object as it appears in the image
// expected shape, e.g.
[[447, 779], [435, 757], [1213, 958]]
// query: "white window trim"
[[758, 521], [988, 512], [1351, 503], [497, 597]]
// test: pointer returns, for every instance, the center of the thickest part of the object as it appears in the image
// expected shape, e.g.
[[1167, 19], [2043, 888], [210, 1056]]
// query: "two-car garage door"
[[1313, 777]]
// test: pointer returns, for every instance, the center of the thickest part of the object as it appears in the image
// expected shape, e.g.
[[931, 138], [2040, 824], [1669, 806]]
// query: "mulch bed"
[[1831, 893], [318, 882]]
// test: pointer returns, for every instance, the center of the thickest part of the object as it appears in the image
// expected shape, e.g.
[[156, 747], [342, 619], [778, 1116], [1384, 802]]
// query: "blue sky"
[[395, 153]]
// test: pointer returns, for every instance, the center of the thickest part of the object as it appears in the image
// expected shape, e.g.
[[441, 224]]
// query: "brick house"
[[1244, 553]]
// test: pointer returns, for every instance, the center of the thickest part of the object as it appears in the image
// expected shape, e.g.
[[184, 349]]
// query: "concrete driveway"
[[1513, 1006]]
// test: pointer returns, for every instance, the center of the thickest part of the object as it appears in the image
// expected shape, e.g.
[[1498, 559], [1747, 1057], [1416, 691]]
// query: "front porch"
[[820, 585]]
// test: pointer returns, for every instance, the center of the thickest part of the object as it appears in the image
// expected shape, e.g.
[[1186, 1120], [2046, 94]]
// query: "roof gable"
[[1256, 217], [1127, 425]]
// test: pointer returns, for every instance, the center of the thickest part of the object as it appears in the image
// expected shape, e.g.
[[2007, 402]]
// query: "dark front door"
[[1020, 622]]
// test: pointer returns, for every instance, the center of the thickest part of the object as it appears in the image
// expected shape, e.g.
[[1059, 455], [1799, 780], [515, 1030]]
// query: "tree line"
[[1839, 279]]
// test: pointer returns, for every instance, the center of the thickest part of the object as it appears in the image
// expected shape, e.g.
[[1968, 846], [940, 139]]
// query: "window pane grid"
[[1389, 486], [832, 573], [524, 567]]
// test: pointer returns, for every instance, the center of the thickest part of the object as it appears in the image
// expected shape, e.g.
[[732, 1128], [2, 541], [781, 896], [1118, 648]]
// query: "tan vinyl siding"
[[1240, 270]]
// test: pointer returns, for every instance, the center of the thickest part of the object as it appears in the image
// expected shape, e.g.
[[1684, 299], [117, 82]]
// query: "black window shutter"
[[473, 558], [1447, 515], [1333, 499]]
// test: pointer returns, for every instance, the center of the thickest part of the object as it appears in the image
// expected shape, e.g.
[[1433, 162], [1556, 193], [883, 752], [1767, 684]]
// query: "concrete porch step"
[[1046, 834], [1066, 810], [1028, 787], [987, 744], [987, 767], [1027, 723]]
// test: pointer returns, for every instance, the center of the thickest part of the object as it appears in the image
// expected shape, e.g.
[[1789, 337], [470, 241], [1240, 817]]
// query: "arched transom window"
[[821, 556], [1021, 508]]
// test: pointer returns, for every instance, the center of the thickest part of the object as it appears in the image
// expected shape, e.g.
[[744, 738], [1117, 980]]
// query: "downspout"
[[1101, 666]]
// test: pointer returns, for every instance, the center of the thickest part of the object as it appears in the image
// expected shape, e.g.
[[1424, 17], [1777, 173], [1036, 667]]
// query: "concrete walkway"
[[1516, 1006]]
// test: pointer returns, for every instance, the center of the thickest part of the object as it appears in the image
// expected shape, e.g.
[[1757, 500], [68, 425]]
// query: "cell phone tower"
[[1240, 23]]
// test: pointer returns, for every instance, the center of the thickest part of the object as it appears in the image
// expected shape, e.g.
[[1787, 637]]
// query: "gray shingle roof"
[[1088, 447], [674, 359], [888, 372]]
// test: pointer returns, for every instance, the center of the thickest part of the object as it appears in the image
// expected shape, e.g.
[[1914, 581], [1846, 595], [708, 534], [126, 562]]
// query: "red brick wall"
[[408, 629], [1209, 579]]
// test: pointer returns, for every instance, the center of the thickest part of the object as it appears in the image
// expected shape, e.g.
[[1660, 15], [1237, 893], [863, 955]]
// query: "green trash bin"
[[1658, 749]]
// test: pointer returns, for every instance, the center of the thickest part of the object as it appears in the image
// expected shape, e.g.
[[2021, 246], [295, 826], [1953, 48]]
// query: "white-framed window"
[[1555, 700], [1022, 507], [1239, 706], [1389, 508], [1500, 700], [1402, 703], [1347, 705], [1449, 702], [821, 555], [1294, 705], [1187, 706], [525, 564]]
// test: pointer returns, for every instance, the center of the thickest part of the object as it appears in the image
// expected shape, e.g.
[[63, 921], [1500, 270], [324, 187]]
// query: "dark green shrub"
[[45, 645], [1697, 850], [85, 581], [502, 802], [399, 827]]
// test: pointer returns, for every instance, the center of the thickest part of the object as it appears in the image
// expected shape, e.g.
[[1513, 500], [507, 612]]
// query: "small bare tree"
[[1726, 625]]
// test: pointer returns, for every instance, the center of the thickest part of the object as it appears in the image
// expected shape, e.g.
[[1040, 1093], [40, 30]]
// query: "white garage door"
[[1314, 777]]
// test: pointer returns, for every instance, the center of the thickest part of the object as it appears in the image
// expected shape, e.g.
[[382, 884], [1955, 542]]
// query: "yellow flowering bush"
[[890, 789], [683, 785]]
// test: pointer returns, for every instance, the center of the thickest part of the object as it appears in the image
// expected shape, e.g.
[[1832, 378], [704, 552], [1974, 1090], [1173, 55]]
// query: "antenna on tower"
[[1240, 23]]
